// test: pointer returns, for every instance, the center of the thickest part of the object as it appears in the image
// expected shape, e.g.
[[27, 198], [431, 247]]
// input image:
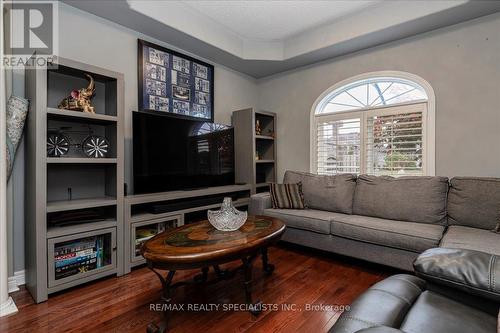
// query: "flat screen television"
[[173, 153]]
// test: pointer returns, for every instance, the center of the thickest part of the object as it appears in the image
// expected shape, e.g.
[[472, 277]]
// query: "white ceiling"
[[262, 38], [274, 20]]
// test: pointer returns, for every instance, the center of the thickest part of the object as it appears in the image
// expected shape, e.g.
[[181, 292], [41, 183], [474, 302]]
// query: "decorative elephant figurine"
[[80, 100]]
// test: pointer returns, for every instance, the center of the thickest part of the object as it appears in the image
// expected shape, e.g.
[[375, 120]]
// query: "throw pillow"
[[287, 196]]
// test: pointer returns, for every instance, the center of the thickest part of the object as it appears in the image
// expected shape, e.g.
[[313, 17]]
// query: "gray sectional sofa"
[[390, 220]]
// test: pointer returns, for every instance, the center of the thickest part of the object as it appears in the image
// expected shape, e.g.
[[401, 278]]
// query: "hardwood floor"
[[122, 304]]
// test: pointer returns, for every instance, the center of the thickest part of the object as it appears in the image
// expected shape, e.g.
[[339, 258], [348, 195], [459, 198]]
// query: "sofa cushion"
[[413, 199], [433, 312], [410, 236], [459, 237], [306, 219], [474, 202], [331, 193]]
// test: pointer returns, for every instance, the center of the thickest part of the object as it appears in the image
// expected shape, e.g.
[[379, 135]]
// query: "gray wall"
[[462, 63], [90, 39]]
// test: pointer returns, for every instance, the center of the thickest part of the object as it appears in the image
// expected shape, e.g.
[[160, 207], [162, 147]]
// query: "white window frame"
[[428, 118]]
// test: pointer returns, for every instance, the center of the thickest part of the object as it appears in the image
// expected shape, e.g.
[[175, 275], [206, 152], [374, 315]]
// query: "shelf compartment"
[[84, 216], [265, 173], [63, 205], [262, 185], [62, 114], [63, 80], [265, 150], [73, 257], [142, 231], [266, 122], [178, 204], [53, 232], [80, 181], [77, 131], [145, 216]]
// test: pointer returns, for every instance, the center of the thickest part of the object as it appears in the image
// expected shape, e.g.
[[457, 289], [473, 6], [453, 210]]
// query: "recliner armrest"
[[474, 272], [259, 202]]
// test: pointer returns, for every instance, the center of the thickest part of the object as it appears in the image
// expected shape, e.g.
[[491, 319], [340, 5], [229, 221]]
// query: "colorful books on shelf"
[[79, 256]]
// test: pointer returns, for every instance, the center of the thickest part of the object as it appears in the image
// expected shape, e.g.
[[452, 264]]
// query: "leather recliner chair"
[[455, 291]]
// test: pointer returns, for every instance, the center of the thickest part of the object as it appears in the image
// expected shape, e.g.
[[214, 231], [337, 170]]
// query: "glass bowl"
[[227, 218]]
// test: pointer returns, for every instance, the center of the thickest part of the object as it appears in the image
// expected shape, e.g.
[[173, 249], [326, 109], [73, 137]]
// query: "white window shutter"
[[395, 142], [338, 146]]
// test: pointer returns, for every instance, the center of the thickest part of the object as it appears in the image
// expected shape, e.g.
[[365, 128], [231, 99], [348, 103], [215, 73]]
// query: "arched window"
[[377, 123]]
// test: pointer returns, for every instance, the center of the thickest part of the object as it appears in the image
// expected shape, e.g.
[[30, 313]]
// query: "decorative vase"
[[227, 218], [17, 110]]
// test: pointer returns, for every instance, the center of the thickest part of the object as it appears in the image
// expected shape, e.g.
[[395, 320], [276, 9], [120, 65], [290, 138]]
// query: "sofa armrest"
[[473, 272], [259, 202]]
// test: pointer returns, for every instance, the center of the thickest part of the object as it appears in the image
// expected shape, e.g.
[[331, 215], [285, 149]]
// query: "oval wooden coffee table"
[[200, 245]]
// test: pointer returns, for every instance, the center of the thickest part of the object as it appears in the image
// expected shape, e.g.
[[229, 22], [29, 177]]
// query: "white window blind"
[[394, 141], [338, 145], [380, 141]]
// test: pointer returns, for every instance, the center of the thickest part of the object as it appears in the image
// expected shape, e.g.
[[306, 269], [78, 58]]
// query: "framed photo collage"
[[174, 83]]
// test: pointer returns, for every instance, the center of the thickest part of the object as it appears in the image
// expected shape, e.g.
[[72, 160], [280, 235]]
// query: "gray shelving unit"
[[255, 154], [93, 183]]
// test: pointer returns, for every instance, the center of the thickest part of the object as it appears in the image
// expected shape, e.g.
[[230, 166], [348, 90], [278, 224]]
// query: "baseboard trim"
[[8, 307], [18, 279]]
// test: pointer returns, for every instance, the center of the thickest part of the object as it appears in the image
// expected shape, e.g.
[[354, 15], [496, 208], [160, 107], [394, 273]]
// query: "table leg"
[[266, 266], [222, 274], [247, 284], [255, 308], [203, 277], [166, 297], [204, 274]]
